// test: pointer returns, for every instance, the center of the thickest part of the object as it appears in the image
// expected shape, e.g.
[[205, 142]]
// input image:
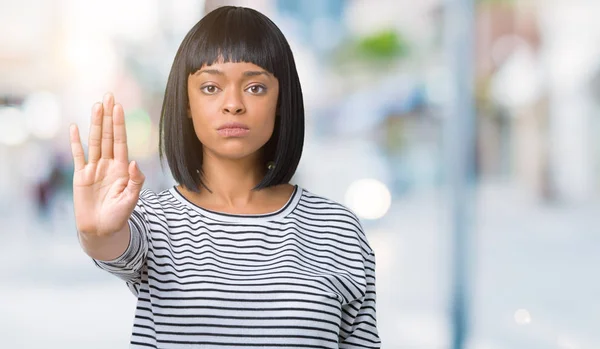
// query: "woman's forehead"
[[221, 67]]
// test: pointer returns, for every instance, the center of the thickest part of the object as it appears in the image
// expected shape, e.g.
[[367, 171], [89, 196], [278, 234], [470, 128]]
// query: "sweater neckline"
[[286, 209]]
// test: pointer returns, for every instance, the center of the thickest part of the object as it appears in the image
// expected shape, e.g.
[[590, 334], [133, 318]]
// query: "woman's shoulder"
[[334, 212], [157, 199], [153, 194], [327, 206]]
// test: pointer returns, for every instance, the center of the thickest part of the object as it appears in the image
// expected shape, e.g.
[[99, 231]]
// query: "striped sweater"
[[300, 277]]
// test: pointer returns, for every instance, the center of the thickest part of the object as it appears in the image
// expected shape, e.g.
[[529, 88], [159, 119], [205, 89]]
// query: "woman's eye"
[[209, 89], [257, 89]]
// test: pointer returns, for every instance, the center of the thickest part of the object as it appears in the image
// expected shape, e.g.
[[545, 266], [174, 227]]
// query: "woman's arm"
[[359, 320]]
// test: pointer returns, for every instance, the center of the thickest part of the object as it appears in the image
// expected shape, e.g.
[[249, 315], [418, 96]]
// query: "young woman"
[[234, 256]]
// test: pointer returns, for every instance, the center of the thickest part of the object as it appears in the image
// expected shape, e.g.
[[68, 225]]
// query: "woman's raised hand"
[[106, 187]]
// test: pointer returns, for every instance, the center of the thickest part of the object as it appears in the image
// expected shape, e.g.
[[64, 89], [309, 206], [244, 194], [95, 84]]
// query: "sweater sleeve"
[[359, 324], [129, 265]]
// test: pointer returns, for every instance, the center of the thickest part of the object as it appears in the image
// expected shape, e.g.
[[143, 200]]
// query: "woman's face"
[[233, 107]]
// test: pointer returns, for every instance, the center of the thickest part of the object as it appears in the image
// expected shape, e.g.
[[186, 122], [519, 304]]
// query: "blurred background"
[[379, 79]]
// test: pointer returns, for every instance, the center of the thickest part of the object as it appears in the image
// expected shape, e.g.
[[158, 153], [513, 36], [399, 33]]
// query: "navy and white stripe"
[[301, 277]]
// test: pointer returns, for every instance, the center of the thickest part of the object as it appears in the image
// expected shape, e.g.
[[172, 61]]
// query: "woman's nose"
[[233, 104]]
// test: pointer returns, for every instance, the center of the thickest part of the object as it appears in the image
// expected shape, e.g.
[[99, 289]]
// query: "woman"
[[234, 255]]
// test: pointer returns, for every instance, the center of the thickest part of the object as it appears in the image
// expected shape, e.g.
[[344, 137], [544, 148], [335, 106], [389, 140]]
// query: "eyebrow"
[[247, 73]]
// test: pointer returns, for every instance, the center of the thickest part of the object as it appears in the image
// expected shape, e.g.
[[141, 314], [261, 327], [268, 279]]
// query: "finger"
[[95, 134], [136, 180], [120, 134], [76, 148], [107, 126]]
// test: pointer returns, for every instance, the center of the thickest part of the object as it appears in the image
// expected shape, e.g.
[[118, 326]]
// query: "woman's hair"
[[232, 34]]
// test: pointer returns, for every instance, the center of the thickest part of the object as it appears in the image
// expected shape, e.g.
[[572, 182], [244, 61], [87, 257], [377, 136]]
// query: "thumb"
[[136, 179]]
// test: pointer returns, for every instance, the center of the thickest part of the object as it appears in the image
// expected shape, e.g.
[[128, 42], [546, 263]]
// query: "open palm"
[[107, 187]]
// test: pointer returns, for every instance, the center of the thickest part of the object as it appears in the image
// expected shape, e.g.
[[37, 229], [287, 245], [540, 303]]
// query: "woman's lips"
[[233, 131]]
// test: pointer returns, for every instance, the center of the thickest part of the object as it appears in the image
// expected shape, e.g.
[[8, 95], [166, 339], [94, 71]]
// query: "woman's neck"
[[230, 181]]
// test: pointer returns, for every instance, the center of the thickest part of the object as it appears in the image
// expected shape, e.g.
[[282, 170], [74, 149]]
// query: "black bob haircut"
[[232, 34]]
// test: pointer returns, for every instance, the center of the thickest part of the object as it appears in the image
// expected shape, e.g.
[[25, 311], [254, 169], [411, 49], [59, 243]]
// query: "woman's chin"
[[235, 153]]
